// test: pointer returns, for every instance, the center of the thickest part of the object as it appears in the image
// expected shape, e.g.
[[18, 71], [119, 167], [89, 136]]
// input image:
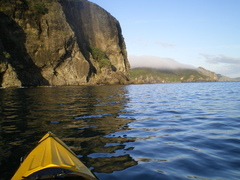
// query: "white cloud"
[[164, 44], [138, 40], [230, 70], [156, 62], [217, 59], [224, 65]]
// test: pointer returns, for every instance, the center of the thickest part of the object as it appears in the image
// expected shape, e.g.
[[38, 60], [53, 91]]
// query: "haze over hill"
[[152, 69], [157, 63]]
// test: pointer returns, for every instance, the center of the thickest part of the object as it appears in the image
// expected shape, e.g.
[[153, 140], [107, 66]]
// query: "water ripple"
[[159, 131]]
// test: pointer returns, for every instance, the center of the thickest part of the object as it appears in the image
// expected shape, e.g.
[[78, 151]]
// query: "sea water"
[[156, 131]]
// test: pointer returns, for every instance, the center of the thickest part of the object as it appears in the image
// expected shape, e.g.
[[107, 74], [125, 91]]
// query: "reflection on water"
[[159, 131], [83, 117]]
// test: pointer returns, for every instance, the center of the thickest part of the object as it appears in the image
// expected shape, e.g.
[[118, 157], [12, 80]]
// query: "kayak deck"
[[52, 159]]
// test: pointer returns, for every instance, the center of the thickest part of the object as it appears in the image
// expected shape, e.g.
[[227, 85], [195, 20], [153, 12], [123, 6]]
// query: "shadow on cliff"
[[71, 9], [12, 40]]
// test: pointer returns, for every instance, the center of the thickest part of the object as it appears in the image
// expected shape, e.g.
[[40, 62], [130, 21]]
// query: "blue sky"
[[194, 32]]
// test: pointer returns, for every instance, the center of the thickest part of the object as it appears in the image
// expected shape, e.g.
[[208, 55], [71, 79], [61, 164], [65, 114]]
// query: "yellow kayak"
[[52, 159]]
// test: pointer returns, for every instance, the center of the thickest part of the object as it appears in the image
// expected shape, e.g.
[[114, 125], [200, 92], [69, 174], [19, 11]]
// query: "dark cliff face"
[[61, 42]]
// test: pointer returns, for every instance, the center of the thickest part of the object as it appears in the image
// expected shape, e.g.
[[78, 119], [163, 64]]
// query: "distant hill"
[[151, 75], [225, 78]]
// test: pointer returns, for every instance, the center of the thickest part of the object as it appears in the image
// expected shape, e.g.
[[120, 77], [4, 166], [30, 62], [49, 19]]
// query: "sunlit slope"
[[150, 75]]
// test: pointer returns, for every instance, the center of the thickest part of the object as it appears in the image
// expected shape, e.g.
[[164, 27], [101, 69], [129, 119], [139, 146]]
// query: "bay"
[[156, 131]]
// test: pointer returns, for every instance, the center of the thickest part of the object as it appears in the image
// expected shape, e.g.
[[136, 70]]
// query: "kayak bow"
[[52, 159]]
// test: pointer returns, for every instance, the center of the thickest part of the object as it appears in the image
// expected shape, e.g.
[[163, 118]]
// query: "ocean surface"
[[135, 132]]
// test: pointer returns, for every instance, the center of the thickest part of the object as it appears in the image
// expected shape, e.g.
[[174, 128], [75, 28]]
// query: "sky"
[[176, 33]]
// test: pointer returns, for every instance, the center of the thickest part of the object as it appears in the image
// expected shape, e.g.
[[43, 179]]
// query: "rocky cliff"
[[60, 42], [212, 75]]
